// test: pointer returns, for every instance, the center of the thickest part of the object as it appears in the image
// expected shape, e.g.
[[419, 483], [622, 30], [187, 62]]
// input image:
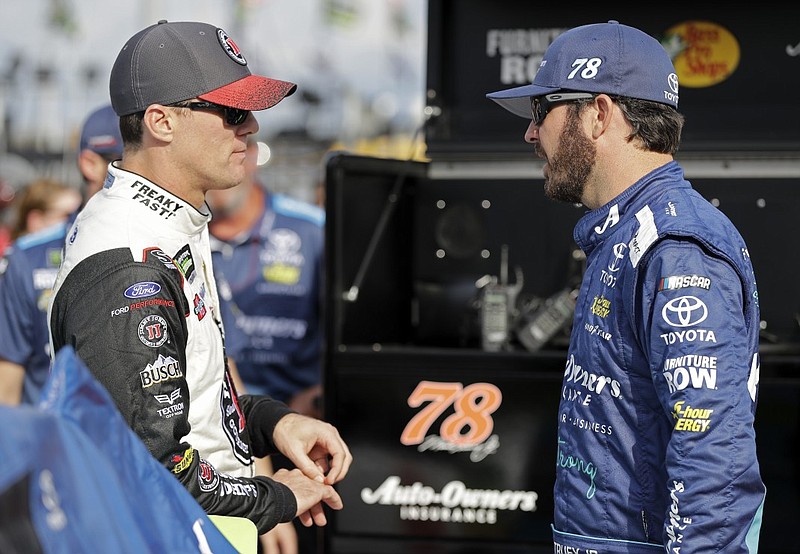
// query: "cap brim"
[[251, 93], [102, 144], [518, 100]]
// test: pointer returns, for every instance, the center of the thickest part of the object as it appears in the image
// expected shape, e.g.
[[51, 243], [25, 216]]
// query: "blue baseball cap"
[[100, 132], [608, 58]]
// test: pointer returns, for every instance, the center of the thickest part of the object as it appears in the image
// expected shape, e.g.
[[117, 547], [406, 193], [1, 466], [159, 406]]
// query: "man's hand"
[[310, 496], [281, 539], [314, 446]]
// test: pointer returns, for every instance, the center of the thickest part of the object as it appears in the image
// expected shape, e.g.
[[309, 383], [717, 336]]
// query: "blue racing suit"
[[656, 446], [273, 275], [27, 274]]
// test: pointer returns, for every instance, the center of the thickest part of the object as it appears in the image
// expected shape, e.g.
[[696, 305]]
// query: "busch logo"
[[163, 369]]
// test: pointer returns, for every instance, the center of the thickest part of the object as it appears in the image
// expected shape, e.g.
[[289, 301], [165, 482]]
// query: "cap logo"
[[672, 79], [230, 47], [585, 68]]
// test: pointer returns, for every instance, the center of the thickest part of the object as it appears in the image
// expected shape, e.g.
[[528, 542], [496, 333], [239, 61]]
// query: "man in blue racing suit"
[[656, 446]]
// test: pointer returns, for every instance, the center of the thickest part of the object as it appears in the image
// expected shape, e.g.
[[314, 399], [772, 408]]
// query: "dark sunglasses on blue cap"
[[541, 105], [233, 116]]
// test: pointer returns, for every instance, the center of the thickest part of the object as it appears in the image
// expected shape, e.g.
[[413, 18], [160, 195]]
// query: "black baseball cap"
[[174, 61]]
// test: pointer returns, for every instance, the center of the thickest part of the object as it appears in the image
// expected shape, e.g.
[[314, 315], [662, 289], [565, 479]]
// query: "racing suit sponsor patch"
[[601, 306], [183, 259], [282, 258], [143, 304], [233, 421], [684, 311], [207, 477], [199, 303], [691, 370], [691, 419], [161, 256], [675, 282], [183, 462], [143, 289], [163, 369], [153, 331], [155, 199], [568, 460], [174, 407], [677, 523]]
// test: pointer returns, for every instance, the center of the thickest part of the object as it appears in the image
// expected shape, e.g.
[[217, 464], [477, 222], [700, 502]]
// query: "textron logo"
[[684, 311]]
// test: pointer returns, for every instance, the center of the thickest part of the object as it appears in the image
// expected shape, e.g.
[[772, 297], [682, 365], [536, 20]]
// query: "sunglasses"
[[541, 105], [233, 116]]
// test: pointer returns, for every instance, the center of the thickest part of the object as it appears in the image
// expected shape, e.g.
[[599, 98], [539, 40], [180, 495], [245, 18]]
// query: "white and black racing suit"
[[136, 298]]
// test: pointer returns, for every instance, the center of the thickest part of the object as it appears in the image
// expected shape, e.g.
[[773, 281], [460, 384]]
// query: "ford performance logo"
[[142, 290]]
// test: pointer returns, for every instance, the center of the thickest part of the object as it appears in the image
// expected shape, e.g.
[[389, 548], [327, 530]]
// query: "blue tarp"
[[74, 478]]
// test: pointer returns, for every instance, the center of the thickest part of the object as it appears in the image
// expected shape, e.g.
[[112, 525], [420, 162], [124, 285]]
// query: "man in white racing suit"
[[136, 298]]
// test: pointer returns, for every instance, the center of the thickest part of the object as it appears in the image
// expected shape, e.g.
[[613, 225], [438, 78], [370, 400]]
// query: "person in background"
[[649, 459], [268, 256], [43, 203], [269, 249], [28, 270], [136, 296], [7, 194], [100, 144]]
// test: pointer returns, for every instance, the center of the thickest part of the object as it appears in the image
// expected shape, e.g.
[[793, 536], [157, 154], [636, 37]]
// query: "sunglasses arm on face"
[[541, 105], [233, 116]]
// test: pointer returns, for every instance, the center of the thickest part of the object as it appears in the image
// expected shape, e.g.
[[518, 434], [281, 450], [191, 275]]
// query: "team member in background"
[[7, 194], [269, 248], [656, 446], [136, 296], [42, 204], [268, 253], [30, 268], [100, 145]]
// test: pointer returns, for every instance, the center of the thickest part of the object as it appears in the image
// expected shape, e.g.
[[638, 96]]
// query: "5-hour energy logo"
[[468, 429], [691, 419]]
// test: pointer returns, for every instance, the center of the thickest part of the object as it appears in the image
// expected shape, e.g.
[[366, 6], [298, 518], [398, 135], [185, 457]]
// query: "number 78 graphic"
[[471, 423]]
